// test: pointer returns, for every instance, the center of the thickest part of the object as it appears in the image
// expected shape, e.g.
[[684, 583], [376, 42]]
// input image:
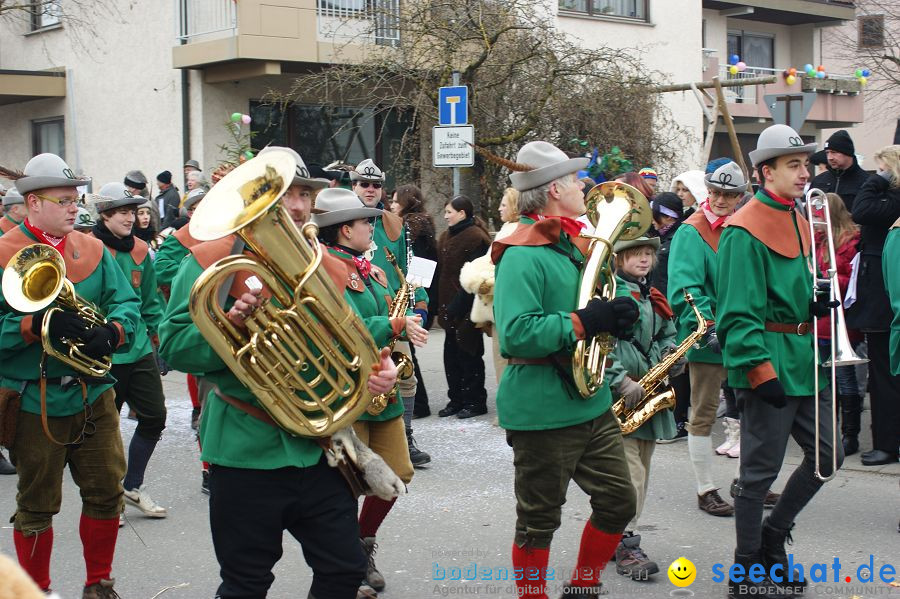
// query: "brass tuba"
[[305, 354], [399, 306], [616, 211], [658, 394], [35, 278]]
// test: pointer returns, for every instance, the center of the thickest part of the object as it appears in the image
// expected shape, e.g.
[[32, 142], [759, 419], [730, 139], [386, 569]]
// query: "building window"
[[45, 13], [627, 9], [49, 135], [755, 49], [871, 31]]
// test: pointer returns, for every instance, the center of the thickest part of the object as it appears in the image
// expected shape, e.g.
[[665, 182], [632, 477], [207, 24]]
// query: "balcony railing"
[[359, 20], [747, 94], [204, 18]]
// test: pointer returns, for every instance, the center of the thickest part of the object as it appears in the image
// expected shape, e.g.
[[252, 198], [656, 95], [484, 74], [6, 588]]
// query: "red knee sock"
[[533, 562], [34, 555], [597, 547], [192, 390], [374, 511], [98, 538]]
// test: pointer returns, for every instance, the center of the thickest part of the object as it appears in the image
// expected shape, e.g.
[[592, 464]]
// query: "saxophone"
[[658, 394], [399, 306]]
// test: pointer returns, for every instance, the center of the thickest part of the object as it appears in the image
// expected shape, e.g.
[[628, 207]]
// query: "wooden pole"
[[683, 87], [729, 125]]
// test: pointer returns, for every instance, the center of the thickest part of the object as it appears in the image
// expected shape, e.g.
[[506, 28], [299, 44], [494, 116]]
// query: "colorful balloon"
[[863, 80], [820, 74], [733, 70], [820, 68], [810, 73], [858, 73], [734, 59], [245, 118], [866, 73], [792, 71], [808, 67], [791, 80], [235, 117], [741, 66]]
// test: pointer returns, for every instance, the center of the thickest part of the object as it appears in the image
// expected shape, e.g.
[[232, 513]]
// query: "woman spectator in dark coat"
[[408, 203], [667, 216], [466, 239], [876, 207]]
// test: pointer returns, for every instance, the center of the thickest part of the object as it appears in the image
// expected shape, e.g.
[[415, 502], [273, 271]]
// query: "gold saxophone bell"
[[399, 306], [305, 354], [616, 211], [35, 278]]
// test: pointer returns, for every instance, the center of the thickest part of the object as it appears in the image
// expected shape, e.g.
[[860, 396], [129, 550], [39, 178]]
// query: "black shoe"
[[416, 456], [747, 589], [772, 551], [451, 409], [850, 443], [876, 457], [421, 410], [681, 434], [204, 486], [471, 412], [5, 466], [631, 561], [195, 418]]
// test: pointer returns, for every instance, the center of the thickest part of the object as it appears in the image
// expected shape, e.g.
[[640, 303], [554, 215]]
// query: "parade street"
[[457, 521]]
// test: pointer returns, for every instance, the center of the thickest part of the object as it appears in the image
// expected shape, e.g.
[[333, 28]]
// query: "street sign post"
[[453, 105], [790, 109], [451, 146]]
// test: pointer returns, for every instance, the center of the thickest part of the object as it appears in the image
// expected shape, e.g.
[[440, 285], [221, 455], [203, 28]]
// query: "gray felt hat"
[[116, 195], [547, 163], [728, 178], [13, 197], [367, 170], [135, 179], [193, 164], [779, 140], [45, 171], [84, 218], [193, 198], [338, 205], [301, 176], [633, 243]]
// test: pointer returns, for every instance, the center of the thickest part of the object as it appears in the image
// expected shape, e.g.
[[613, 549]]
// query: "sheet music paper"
[[421, 271]]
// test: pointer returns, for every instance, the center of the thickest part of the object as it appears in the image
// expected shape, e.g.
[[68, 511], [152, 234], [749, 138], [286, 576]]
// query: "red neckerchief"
[[715, 221], [569, 225], [58, 243], [779, 199], [362, 264]]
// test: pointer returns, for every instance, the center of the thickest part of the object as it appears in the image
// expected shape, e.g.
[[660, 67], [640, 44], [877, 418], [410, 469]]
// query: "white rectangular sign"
[[450, 146], [421, 271]]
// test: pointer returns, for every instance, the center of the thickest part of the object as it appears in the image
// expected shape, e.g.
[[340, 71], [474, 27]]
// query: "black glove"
[[602, 316], [63, 325], [821, 307], [772, 393], [100, 341], [711, 340]]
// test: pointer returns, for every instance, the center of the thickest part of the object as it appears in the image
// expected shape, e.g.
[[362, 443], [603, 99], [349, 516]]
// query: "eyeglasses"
[[366, 184], [62, 202]]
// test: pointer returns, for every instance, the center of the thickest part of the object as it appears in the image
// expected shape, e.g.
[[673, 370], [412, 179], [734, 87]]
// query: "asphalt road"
[[460, 514]]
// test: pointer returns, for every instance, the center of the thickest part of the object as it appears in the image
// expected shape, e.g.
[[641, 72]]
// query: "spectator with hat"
[[13, 210], [137, 377], [191, 166], [842, 175], [167, 200], [136, 183], [691, 188], [649, 175], [667, 216]]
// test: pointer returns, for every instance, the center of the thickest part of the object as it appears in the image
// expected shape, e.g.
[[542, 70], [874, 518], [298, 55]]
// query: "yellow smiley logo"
[[682, 572]]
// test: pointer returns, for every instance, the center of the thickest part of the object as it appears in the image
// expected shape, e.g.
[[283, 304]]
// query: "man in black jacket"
[[168, 200], [842, 175]]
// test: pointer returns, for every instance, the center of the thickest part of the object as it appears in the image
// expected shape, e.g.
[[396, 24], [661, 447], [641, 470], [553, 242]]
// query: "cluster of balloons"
[[237, 117], [737, 65], [862, 75], [790, 76], [814, 72]]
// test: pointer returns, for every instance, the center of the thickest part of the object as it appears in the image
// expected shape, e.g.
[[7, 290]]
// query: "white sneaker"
[[735, 450], [732, 435], [139, 499]]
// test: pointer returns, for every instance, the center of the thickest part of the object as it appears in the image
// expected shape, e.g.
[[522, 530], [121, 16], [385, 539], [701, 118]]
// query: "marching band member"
[[83, 425], [137, 376], [263, 480], [13, 210], [765, 305], [537, 274], [653, 337], [692, 268], [345, 227], [891, 267]]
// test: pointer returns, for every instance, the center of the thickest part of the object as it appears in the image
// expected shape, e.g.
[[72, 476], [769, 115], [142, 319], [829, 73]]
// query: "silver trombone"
[[842, 353]]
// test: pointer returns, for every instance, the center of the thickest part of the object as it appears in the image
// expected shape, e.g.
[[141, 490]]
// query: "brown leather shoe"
[[711, 503], [770, 500], [101, 590]]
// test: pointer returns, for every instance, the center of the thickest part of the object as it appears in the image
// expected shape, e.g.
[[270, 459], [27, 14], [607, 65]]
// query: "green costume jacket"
[[890, 267], [373, 306], [764, 277], [138, 269], [653, 336], [693, 267], [170, 254], [536, 285], [7, 224], [229, 436], [98, 279], [391, 233]]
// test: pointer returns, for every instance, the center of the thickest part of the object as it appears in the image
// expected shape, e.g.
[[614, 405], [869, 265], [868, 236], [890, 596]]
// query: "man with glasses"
[[83, 425]]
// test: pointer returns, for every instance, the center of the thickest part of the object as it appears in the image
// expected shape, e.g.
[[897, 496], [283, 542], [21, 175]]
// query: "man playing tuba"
[[537, 277], [83, 428]]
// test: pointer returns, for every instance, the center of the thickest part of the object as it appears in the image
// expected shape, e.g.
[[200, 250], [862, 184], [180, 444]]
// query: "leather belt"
[[801, 328], [539, 361]]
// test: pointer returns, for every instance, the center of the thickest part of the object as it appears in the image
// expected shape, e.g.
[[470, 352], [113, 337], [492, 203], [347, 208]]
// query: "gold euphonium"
[[616, 211], [35, 278], [658, 394], [305, 354], [399, 306]]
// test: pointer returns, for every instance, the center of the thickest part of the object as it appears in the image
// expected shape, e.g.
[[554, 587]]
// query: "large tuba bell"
[[35, 278], [616, 211], [305, 354]]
